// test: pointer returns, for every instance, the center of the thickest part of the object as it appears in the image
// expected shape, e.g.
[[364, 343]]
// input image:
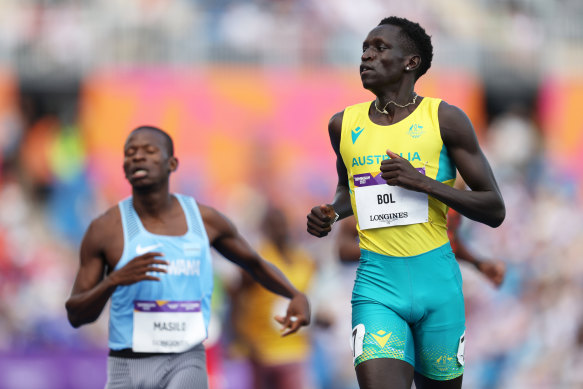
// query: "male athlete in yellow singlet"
[[396, 163]]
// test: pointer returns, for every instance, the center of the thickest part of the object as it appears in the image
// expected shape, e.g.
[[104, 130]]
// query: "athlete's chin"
[[142, 185], [367, 82]]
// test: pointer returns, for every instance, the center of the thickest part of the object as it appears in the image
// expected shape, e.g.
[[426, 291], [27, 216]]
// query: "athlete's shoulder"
[[207, 212], [211, 217], [450, 113], [108, 218], [182, 196], [216, 224], [453, 121], [105, 228], [336, 121], [335, 124], [358, 108], [187, 200], [361, 105]]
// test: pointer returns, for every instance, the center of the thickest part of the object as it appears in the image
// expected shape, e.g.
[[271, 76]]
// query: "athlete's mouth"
[[138, 172], [364, 68]]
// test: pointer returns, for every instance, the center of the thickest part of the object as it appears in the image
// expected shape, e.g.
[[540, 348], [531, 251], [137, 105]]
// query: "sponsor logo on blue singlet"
[[356, 133]]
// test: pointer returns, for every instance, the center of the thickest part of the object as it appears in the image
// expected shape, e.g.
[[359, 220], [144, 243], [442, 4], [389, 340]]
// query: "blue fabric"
[[189, 275], [412, 309]]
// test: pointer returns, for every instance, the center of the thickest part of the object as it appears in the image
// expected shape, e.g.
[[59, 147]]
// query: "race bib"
[[167, 326], [381, 205]]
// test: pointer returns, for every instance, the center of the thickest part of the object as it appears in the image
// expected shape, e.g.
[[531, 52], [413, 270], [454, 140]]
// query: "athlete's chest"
[[169, 237], [366, 147]]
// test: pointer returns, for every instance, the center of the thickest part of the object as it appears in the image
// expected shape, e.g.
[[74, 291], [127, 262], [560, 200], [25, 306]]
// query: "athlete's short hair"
[[415, 40], [169, 141]]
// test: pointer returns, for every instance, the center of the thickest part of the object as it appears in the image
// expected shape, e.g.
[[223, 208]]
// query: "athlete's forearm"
[[85, 307], [462, 253], [341, 202], [482, 206], [270, 277], [349, 252]]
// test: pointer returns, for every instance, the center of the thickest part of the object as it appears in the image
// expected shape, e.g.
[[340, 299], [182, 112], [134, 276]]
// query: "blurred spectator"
[[276, 362]]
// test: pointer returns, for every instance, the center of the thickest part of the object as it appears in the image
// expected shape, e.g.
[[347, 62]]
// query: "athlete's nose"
[[366, 54], [139, 155]]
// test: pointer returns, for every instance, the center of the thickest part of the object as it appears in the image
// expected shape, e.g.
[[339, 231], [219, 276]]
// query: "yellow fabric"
[[417, 138], [259, 335]]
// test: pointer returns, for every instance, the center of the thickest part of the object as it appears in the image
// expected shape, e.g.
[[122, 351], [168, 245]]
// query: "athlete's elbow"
[[497, 217], [74, 323], [75, 318], [77, 321]]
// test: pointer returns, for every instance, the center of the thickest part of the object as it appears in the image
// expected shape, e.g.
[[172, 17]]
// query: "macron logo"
[[355, 133], [146, 249]]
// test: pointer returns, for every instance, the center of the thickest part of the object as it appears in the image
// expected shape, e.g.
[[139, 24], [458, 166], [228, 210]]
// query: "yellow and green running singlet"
[[417, 221]]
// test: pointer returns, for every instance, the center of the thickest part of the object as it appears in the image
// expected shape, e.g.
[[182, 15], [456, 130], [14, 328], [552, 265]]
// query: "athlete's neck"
[[151, 203]]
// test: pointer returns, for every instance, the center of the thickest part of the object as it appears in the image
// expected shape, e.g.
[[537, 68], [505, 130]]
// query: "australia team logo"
[[415, 131], [443, 363]]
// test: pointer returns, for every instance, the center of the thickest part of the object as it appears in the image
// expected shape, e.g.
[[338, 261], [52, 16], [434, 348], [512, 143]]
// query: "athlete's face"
[[275, 226], [146, 159], [383, 58]]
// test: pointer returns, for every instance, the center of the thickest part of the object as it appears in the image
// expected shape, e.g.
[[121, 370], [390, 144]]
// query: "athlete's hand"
[[493, 270], [320, 220], [297, 315], [397, 171], [139, 269]]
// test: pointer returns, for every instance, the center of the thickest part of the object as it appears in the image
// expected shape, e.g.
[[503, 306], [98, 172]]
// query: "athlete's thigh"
[[379, 332], [422, 382], [188, 370], [118, 373], [384, 373], [439, 353], [382, 345], [144, 373], [440, 334]]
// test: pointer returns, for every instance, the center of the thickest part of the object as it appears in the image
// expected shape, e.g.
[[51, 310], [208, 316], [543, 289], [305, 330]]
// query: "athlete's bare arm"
[[101, 248], [493, 269], [483, 202], [227, 240], [348, 248], [321, 217]]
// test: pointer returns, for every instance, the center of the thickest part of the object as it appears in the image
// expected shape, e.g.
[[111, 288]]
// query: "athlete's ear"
[[173, 161], [413, 63]]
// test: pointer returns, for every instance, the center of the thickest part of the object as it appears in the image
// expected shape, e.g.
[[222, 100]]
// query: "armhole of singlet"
[[128, 224], [193, 217]]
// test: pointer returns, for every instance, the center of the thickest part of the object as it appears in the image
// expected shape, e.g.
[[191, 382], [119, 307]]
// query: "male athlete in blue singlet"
[[396, 160], [150, 255]]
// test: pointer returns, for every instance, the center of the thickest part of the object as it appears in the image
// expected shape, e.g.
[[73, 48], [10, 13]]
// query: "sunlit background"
[[246, 88]]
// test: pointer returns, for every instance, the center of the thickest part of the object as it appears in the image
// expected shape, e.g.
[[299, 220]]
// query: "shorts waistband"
[[445, 248], [129, 353]]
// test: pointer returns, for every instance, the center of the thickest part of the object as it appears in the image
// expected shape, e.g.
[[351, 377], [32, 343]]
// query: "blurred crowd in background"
[[526, 55]]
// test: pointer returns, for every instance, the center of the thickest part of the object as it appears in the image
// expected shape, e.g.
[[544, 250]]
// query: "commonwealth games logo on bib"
[[415, 131]]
